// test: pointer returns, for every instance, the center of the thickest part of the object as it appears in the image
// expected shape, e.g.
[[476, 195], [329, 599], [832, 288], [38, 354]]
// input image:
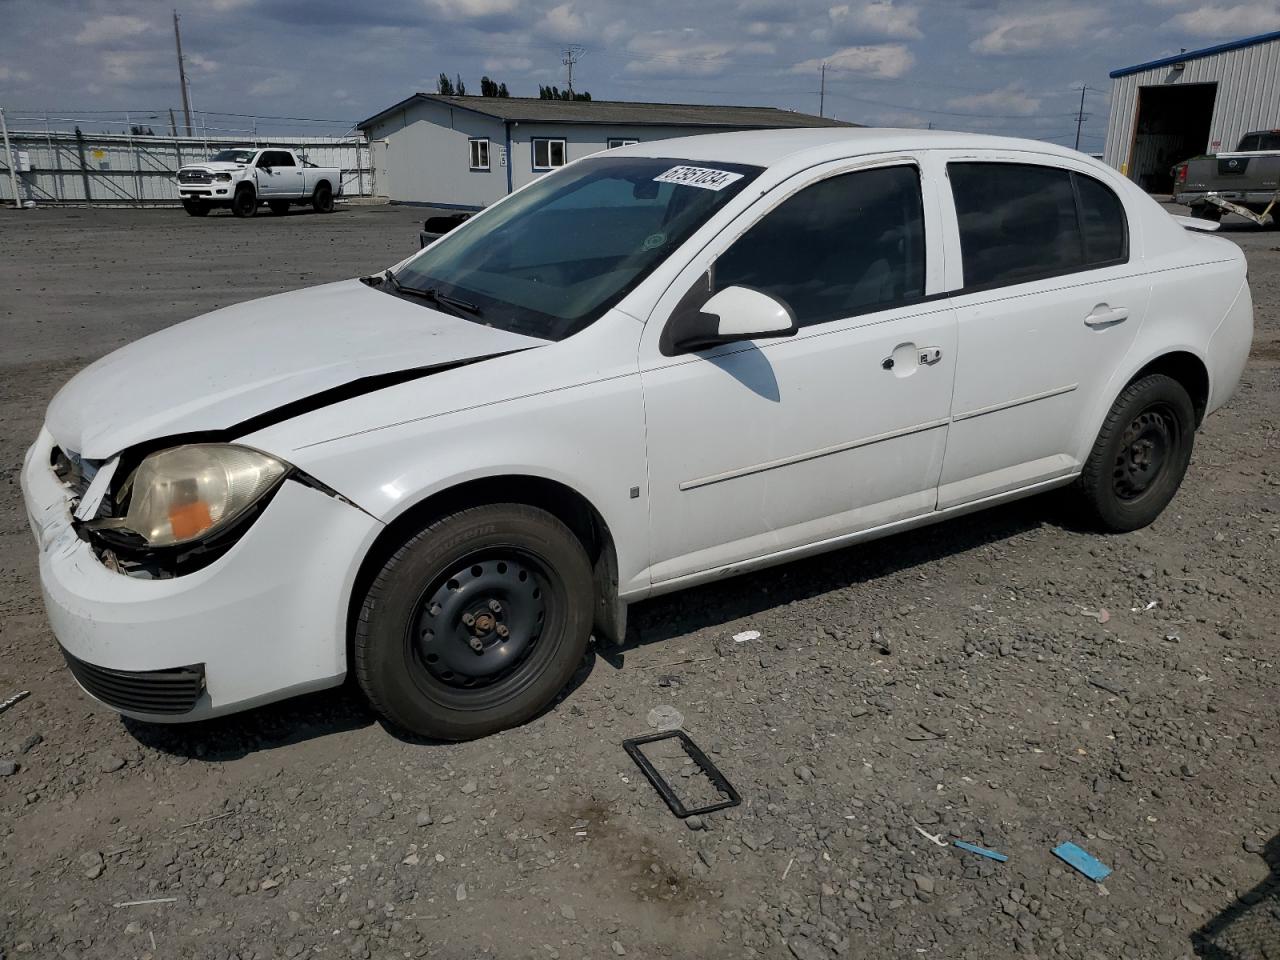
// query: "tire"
[[279, 207], [195, 208], [1141, 455], [506, 566], [245, 203], [322, 199]]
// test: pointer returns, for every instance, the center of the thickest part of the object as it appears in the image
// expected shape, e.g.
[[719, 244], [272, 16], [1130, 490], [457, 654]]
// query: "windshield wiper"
[[457, 306]]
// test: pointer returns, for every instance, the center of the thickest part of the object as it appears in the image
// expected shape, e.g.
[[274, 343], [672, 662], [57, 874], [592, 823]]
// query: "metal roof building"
[[466, 152], [1197, 101]]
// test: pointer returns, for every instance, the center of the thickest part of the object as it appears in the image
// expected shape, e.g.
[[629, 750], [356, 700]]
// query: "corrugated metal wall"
[[1248, 98], [113, 170]]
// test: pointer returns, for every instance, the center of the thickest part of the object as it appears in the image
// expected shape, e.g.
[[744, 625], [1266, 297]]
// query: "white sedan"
[[659, 366]]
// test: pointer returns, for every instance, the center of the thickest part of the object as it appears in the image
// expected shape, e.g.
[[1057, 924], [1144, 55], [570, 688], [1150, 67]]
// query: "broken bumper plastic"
[[267, 620]]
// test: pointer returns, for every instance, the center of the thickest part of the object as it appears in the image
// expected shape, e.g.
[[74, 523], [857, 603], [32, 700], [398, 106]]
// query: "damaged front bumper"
[[265, 621]]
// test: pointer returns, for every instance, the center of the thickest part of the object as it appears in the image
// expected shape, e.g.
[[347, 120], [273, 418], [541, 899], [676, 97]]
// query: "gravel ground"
[[1007, 679]]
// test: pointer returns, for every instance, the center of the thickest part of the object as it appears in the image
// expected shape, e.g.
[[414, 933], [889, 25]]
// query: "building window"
[[479, 153], [547, 154], [621, 142]]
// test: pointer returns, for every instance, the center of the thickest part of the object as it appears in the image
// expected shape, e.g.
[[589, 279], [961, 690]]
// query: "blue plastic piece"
[[1090, 866], [981, 851]]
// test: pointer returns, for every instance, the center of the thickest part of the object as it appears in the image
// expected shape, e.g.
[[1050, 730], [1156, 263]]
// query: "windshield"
[[553, 258], [233, 156]]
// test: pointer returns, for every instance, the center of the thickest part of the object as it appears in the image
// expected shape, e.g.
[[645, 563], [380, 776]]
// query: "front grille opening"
[[164, 692]]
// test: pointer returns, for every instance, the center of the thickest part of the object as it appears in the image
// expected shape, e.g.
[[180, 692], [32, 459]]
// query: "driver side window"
[[848, 245]]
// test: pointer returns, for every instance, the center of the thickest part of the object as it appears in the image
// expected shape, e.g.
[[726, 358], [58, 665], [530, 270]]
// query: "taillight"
[[1182, 173]]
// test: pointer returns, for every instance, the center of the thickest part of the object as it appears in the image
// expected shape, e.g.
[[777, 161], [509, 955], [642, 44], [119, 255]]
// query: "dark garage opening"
[[1173, 125]]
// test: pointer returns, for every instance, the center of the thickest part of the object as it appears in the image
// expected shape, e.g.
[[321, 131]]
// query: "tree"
[[489, 88], [555, 93], [461, 87], [444, 85], [502, 90]]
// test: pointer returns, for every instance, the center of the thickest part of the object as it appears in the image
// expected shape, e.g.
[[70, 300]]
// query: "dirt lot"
[[1007, 679]]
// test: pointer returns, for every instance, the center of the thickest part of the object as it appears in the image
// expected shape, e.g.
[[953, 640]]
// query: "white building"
[[466, 152], [1198, 101]]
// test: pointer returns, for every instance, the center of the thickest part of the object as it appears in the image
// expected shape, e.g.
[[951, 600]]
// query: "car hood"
[[245, 361], [219, 166]]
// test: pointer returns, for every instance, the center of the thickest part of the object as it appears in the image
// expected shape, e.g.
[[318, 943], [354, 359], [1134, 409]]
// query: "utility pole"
[[570, 56], [1080, 115], [822, 89], [8, 159], [182, 75]]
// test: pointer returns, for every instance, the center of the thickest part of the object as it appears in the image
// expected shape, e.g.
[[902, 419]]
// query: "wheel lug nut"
[[502, 630], [495, 606], [468, 619], [476, 644]]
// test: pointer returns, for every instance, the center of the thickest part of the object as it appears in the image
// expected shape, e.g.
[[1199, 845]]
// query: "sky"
[[1001, 66]]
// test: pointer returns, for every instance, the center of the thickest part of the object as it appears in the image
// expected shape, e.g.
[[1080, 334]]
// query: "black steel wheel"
[[1141, 454], [476, 623], [245, 203], [322, 199]]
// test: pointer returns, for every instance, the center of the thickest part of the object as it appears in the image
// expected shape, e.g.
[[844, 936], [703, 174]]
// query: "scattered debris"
[[700, 759], [145, 903], [665, 717], [1082, 861], [936, 839], [1102, 614], [790, 863], [23, 694], [981, 851], [196, 823], [930, 733], [746, 635]]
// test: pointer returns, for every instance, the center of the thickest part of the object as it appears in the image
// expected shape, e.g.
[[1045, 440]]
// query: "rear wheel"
[[195, 208], [279, 207], [322, 199], [475, 623], [1140, 456], [245, 203]]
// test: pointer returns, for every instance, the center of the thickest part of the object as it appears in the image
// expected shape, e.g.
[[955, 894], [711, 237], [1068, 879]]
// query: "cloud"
[[111, 29], [461, 10], [563, 23], [1228, 21], [874, 19], [13, 75], [1014, 33], [1010, 100], [506, 64], [682, 51], [884, 60]]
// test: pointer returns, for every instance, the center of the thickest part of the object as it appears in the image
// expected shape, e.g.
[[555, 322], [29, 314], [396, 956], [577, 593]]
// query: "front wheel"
[[245, 203], [475, 623], [1141, 454], [322, 199]]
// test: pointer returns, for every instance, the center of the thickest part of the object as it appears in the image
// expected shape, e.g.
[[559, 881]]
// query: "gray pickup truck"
[[1245, 182]]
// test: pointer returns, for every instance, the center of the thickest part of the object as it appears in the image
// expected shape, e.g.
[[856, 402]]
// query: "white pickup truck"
[[243, 178]]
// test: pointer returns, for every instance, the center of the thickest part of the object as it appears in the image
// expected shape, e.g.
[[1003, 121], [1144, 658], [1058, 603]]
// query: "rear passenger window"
[[1102, 220], [1020, 222], [847, 245]]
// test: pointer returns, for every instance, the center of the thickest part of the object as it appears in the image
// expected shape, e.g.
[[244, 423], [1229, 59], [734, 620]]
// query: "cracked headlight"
[[186, 493]]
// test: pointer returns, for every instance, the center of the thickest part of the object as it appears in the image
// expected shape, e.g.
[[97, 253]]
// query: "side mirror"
[[732, 314]]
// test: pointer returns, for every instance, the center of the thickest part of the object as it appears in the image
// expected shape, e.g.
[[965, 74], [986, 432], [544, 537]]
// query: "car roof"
[[771, 147]]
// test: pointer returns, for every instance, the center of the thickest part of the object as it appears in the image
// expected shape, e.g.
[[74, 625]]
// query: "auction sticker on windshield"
[[705, 177]]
